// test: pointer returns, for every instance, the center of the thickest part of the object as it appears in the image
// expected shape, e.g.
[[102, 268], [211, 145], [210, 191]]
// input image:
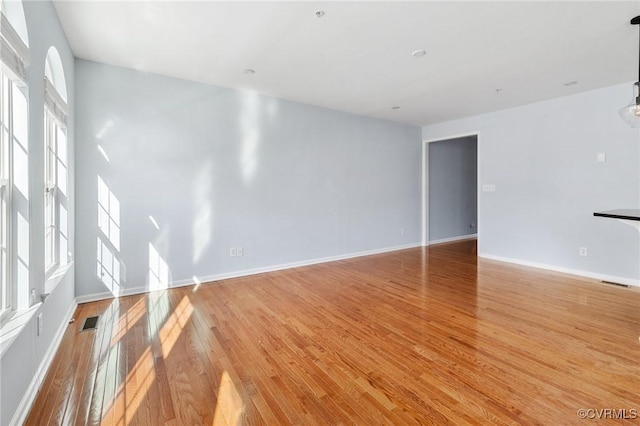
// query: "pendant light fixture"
[[631, 113]]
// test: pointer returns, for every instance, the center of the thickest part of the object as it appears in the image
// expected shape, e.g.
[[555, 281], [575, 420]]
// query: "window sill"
[[18, 320], [56, 276], [14, 326]]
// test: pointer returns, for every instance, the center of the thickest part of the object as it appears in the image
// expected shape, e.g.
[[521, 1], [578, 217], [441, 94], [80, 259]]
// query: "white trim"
[[236, 274], [425, 182], [425, 194], [55, 277], [14, 324], [32, 391], [14, 53], [452, 239], [54, 102], [13, 38], [19, 319], [8, 308], [578, 272], [446, 138]]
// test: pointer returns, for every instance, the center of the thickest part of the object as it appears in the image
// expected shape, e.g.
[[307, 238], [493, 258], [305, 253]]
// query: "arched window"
[[14, 169], [56, 163]]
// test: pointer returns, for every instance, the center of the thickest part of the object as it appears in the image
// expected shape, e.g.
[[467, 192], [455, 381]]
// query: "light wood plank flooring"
[[420, 336]]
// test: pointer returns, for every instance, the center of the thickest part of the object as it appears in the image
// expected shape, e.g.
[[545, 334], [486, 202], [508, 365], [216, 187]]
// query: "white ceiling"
[[357, 57]]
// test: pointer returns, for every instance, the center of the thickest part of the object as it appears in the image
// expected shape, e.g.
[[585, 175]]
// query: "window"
[[14, 183], [55, 167], [5, 192], [55, 187], [14, 54]]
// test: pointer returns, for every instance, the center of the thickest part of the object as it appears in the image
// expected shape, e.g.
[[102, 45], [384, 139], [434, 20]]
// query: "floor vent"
[[617, 284], [90, 323]]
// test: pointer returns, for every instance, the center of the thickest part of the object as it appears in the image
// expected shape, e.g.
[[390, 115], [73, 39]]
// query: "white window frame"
[[6, 184], [14, 53], [52, 194], [51, 214], [14, 62]]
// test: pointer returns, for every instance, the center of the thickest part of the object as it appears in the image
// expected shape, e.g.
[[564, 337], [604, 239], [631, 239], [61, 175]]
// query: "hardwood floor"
[[420, 336]]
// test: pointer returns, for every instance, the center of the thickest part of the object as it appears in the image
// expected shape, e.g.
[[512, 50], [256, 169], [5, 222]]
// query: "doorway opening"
[[450, 199]]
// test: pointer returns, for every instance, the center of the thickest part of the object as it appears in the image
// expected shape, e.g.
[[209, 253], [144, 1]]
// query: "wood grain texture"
[[420, 336]]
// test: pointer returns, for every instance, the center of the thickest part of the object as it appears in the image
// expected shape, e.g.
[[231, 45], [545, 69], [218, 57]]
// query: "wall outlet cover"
[[39, 324]]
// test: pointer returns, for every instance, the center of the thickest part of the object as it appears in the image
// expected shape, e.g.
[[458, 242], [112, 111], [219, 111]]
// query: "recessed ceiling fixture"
[[320, 13], [418, 53], [395, 107], [249, 71], [631, 113], [571, 83]]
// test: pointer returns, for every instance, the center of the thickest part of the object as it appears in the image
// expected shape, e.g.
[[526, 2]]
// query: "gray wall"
[[542, 159], [219, 168], [23, 360], [453, 189]]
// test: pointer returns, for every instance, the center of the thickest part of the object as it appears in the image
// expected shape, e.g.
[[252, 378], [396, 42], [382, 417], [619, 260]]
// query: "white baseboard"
[[237, 274], [581, 273], [452, 239], [32, 391]]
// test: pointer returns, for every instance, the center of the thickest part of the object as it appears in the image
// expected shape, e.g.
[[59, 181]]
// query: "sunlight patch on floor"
[[229, 407], [174, 325]]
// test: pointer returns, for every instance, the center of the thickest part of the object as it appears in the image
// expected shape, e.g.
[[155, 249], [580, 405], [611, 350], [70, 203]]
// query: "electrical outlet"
[[39, 324], [239, 251], [601, 157], [472, 225], [582, 251], [488, 188], [401, 231], [233, 252]]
